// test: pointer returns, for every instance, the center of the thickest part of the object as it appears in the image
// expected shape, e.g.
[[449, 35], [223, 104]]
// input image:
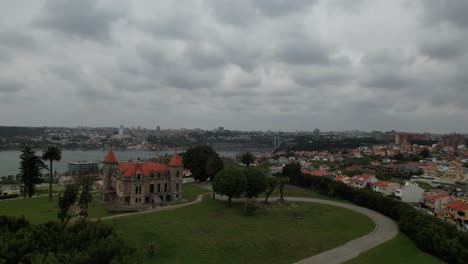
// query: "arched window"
[[138, 175], [177, 174]]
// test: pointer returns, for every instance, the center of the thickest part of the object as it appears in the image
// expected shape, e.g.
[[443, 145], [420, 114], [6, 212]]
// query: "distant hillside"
[[11, 131]]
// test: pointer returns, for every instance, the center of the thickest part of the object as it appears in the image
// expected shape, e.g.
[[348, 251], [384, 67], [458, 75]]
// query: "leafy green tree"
[[195, 160], [52, 153], [230, 181], [31, 167], [213, 166], [247, 158], [85, 196], [425, 153], [292, 171], [272, 182], [256, 182], [282, 182], [66, 201]]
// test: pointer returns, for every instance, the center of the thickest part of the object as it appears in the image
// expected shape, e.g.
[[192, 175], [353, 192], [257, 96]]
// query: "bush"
[[152, 248], [83, 242], [250, 206], [430, 234]]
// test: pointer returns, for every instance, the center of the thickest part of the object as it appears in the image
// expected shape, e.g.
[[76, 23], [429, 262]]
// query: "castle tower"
[[176, 169], [110, 162]]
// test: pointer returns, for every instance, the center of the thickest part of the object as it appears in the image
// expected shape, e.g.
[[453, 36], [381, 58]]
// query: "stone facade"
[[140, 183]]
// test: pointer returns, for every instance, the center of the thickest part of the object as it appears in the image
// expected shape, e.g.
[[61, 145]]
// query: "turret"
[[176, 168], [110, 162]]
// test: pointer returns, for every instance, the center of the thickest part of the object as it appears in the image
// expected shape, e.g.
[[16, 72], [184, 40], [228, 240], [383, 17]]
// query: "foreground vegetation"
[[398, 250], [83, 242], [211, 232]]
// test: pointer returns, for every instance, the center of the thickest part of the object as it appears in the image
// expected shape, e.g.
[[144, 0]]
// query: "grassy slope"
[[210, 232], [398, 250], [39, 210]]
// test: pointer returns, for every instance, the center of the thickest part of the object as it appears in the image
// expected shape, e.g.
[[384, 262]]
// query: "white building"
[[410, 193]]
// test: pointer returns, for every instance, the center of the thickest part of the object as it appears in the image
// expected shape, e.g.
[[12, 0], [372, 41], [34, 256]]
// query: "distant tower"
[[158, 129], [121, 130], [176, 169]]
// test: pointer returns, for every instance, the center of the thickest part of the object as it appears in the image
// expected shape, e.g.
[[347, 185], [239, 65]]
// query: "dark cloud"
[[17, 40], [10, 86], [83, 19], [282, 7], [452, 11]]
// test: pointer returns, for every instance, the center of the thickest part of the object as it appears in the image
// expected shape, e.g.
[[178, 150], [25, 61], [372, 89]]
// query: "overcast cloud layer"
[[255, 64]]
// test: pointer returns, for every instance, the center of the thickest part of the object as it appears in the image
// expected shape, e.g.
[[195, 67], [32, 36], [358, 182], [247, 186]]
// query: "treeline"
[[308, 143], [430, 234], [51, 242]]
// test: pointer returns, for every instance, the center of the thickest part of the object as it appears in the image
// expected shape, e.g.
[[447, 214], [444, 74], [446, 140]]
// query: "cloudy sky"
[[254, 64]]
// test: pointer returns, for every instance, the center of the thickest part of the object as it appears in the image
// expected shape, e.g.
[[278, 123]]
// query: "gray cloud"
[[288, 64], [83, 19]]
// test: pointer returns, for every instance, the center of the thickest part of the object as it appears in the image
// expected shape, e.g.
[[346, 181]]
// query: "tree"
[[31, 167], [213, 166], [425, 153], [85, 195], [271, 185], [52, 153], [256, 182], [292, 171], [231, 182], [282, 182], [65, 201], [195, 160], [247, 158]]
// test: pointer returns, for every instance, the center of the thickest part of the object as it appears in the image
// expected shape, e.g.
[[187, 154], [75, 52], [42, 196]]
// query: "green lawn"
[[299, 192], [39, 210], [210, 232], [398, 250]]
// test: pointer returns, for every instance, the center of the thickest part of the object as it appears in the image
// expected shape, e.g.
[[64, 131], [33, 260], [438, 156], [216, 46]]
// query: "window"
[[136, 200], [177, 174], [151, 188], [177, 187], [159, 174], [159, 187], [165, 187], [136, 189], [138, 175], [152, 174]]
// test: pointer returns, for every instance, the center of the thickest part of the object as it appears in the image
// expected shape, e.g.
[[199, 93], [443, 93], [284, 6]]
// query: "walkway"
[[385, 230]]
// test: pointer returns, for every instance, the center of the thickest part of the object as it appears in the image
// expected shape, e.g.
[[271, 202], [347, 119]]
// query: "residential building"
[[385, 187], [80, 168], [457, 212], [410, 193], [435, 201], [360, 181], [343, 179], [138, 183]]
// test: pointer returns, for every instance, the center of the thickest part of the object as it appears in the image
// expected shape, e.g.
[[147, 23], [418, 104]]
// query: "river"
[[9, 160]]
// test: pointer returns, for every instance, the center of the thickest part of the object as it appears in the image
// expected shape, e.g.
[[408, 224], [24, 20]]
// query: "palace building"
[[140, 183]]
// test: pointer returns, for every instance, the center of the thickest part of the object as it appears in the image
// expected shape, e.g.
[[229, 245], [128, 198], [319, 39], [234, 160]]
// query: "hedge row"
[[430, 234]]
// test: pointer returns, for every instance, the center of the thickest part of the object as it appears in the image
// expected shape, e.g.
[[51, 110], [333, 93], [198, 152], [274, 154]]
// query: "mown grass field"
[[398, 250], [40, 210], [210, 232]]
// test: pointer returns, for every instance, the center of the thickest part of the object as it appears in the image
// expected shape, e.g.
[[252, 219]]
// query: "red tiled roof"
[[360, 178], [130, 168], [110, 157], [436, 196], [341, 178], [383, 184], [175, 161], [457, 205], [317, 173]]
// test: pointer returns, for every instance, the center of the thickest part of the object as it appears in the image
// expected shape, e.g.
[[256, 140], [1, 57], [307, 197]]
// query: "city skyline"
[[247, 65]]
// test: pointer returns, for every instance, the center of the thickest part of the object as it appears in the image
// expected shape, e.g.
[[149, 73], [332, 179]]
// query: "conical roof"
[[175, 160], [110, 157]]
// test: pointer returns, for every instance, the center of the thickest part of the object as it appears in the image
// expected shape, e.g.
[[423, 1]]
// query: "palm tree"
[[51, 153]]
